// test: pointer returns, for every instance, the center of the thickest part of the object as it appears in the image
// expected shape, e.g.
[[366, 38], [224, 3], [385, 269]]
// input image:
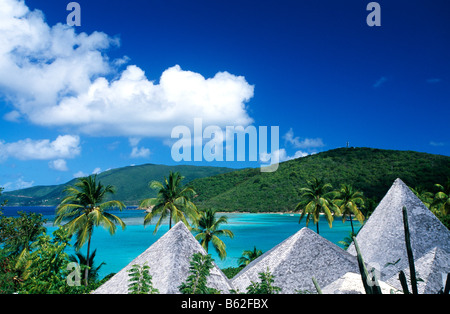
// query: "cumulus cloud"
[[138, 152], [80, 174], [58, 164], [64, 146], [280, 155], [305, 143], [55, 77], [18, 184]]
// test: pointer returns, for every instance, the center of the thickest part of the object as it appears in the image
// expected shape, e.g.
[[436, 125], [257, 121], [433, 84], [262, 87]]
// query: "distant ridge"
[[131, 184], [369, 170]]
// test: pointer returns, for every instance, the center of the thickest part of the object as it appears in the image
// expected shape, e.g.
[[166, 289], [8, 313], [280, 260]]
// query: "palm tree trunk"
[[351, 222], [170, 220], [317, 225], [86, 271]]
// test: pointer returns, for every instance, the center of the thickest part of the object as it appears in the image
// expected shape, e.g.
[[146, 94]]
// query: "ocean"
[[261, 230]]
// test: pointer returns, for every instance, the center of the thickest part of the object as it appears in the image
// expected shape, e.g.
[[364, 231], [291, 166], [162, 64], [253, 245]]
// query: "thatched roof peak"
[[169, 259], [382, 238], [296, 260]]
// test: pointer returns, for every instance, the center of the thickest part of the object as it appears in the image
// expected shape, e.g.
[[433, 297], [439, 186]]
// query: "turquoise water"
[[261, 230]]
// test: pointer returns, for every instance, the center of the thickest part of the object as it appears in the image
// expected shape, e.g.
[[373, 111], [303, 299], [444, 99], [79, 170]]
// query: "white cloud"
[[55, 77], [58, 164], [80, 174], [96, 170], [17, 185], [433, 143], [140, 152], [64, 146], [280, 155], [306, 143]]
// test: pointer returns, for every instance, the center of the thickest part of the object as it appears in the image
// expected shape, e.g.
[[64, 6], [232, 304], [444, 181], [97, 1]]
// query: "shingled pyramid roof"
[[296, 260], [169, 259], [382, 238], [432, 269], [351, 283]]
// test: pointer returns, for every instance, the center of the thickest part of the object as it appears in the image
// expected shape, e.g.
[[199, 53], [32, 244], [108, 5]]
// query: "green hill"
[[131, 184], [371, 171]]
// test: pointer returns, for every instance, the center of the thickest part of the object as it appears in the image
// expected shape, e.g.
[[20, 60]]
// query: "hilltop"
[[131, 184], [369, 170]]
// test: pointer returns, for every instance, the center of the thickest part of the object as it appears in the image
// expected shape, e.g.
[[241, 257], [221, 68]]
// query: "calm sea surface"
[[261, 230]]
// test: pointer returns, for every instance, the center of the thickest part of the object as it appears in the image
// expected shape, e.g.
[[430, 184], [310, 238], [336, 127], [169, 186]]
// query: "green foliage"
[[265, 286], [173, 201], [3, 203], [140, 280], [85, 207], [249, 256], [47, 272], [131, 184], [17, 234], [199, 270], [208, 231], [317, 198], [369, 170], [350, 202], [231, 272], [82, 261]]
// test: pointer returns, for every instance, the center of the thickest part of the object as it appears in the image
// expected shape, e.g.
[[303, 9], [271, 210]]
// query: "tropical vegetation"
[[316, 199], [173, 201], [85, 209], [350, 202], [208, 230], [249, 256], [31, 261]]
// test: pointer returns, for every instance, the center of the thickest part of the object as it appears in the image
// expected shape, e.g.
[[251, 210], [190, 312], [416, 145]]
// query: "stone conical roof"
[[296, 260], [432, 269], [351, 283], [382, 238], [169, 259]]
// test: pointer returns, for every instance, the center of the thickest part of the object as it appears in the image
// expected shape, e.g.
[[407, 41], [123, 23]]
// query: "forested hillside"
[[371, 171]]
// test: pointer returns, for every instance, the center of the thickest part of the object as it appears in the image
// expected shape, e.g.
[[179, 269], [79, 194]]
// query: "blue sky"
[[79, 100]]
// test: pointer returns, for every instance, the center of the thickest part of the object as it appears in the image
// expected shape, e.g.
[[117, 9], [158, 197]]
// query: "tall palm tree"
[[249, 256], [349, 202], [317, 199], [208, 230], [173, 200], [82, 260], [83, 206]]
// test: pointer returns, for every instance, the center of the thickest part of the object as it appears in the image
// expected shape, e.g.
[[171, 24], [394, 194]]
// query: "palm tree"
[[82, 261], [442, 198], [83, 205], [425, 196], [316, 199], [173, 200], [208, 230], [349, 202], [249, 256]]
